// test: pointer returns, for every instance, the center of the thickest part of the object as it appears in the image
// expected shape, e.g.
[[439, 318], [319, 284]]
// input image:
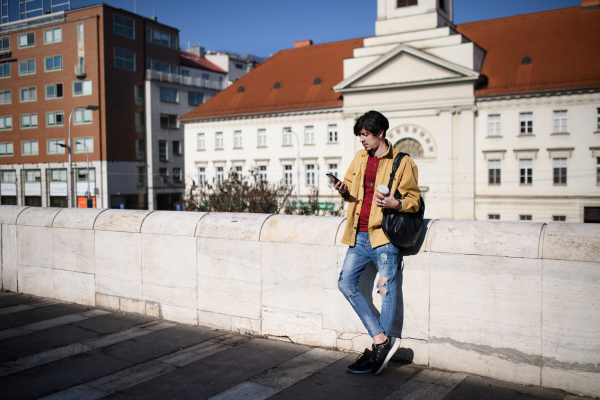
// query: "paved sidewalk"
[[56, 350]]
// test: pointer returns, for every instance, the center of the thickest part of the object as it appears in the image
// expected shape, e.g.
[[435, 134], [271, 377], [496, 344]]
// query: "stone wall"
[[513, 301]]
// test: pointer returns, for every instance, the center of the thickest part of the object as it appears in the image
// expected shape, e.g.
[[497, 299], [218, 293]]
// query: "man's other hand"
[[341, 187]]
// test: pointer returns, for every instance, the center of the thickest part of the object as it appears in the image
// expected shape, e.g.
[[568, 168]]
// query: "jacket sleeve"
[[348, 179], [409, 187]]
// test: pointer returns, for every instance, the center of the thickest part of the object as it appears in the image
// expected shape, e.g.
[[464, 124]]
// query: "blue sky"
[[263, 27]]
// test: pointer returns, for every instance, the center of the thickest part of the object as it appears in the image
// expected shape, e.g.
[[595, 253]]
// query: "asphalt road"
[[55, 350]]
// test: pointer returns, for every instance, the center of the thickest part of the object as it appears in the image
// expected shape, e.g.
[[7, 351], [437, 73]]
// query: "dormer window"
[[317, 81], [277, 85], [406, 3], [526, 60], [241, 89]]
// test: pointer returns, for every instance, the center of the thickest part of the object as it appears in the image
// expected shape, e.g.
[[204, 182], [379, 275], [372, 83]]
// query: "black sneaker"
[[363, 363], [383, 353]]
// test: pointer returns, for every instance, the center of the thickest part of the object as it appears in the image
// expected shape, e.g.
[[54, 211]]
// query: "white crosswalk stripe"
[[428, 385]]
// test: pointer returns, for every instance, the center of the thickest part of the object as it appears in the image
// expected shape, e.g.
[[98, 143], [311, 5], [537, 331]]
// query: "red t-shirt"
[[365, 210]]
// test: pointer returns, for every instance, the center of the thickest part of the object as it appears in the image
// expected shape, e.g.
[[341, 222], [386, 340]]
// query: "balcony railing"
[[80, 71], [184, 80]]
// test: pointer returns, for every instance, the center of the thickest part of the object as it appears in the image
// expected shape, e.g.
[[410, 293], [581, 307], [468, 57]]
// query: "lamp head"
[[92, 107]]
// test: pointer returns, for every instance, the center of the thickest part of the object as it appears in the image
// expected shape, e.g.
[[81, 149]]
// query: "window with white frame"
[[27, 67], [139, 122], [125, 59], [333, 134], [333, 169], [560, 171], [80, 32], [52, 146], [262, 138], [82, 117], [28, 94], [161, 38], [201, 176], [310, 174], [526, 121], [6, 123], [5, 97], [494, 172], [162, 150], [29, 148], [32, 175], [262, 173], [26, 40], [58, 175], [84, 145], [201, 145], [162, 67], [559, 218], [9, 176], [494, 125], [218, 140], [309, 134], [560, 121], [53, 63], [29, 121], [6, 149], [168, 94], [525, 217], [237, 139], [287, 175], [5, 70], [123, 26], [55, 118], [220, 176], [526, 167], [287, 136], [4, 44], [238, 172], [493, 217], [54, 91], [82, 88], [53, 35]]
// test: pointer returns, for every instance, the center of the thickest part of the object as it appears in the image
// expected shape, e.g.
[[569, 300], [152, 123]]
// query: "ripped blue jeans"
[[386, 260]]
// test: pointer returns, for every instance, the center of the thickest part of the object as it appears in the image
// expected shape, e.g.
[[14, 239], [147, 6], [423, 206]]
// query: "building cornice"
[[267, 114]]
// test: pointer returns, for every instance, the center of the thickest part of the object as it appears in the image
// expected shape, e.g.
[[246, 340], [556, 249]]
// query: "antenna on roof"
[[154, 16], [134, 6]]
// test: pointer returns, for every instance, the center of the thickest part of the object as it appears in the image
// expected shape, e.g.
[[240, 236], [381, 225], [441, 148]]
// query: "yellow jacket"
[[405, 180]]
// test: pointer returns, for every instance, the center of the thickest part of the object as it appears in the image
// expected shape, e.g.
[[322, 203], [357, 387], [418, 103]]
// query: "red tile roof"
[[563, 44], [296, 71], [193, 61]]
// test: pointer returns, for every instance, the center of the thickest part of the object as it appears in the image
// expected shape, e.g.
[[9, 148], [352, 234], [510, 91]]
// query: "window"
[[5, 71], [141, 177], [597, 170], [287, 136], [219, 140], [29, 121], [598, 126], [6, 123], [33, 175], [53, 35], [161, 38], [525, 217], [262, 138], [237, 139], [58, 175], [84, 145], [148, 63], [55, 118], [163, 172], [28, 94], [53, 146], [138, 92], [123, 26], [176, 147], [526, 167], [26, 40], [220, 175], [162, 150], [205, 78], [560, 171], [125, 59], [175, 45], [82, 175], [559, 218], [494, 125], [29, 148], [5, 97], [560, 121], [201, 176], [168, 121], [6, 150], [27, 67], [175, 69], [4, 44], [54, 91], [201, 141], [494, 172], [238, 172], [309, 134], [162, 67], [526, 120], [169, 95], [185, 72], [177, 175], [82, 117], [287, 175], [80, 32], [148, 34], [139, 122], [262, 173], [333, 169], [140, 149], [239, 66], [9, 176], [82, 88], [332, 129], [493, 217], [53, 63], [405, 3], [195, 98], [310, 175]]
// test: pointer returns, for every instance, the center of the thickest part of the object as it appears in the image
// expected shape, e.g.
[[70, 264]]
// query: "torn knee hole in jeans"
[[382, 286]]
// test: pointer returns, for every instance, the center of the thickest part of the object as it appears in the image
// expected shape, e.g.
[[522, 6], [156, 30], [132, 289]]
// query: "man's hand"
[[385, 202], [341, 187]]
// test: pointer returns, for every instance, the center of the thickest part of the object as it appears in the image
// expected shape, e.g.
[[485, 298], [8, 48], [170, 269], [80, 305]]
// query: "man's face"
[[369, 141]]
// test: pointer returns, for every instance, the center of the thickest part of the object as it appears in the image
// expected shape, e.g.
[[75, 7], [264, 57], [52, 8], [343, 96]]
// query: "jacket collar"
[[388, 154]]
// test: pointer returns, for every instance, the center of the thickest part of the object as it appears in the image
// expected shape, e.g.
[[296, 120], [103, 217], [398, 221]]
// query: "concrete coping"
[[574, 242], [175, 223], [487, 238], [9, 214], [77, 218], [121, 220], [301, 229], [236, 226], [38, 216]]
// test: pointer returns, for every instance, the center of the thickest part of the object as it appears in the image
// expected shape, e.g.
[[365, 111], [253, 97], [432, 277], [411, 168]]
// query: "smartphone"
[[333, 178]]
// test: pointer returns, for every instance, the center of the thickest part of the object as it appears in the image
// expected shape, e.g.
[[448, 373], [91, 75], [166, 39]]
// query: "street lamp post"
[[87, 153], [68, 146], [298, 159]]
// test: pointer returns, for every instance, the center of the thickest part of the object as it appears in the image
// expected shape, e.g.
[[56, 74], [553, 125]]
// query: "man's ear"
[[380, 134]]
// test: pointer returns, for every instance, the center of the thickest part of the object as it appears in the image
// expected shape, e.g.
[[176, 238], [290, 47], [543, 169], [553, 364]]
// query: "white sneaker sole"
[[390, 355]]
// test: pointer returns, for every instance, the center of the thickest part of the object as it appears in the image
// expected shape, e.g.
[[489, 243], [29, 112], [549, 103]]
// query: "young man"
[[371, 167]]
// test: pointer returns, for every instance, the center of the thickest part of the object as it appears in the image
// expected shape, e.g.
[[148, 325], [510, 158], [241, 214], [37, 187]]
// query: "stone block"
[[571, 313], [299, 229], [35, 246], [77, 218], [35, 280], [169, 269], [246, 326], [356, 342], [153, 309], [577, 381], [9, 214], [9, 256], [340, 233], [179, 314], [414, 305], [174, 223], [236, 226], [74, 250], [489, 301], [299, 327], [339, 315], [118, 263], [229, 277], [446, 356], [294, 275], [132, 305], [214, 320], [121, 220], [107, 301], [575, 242], [416, 351], [75, 287], [38, 216], [501, 239]]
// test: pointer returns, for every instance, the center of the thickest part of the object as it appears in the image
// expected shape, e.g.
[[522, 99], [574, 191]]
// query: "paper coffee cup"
[[383, 190]]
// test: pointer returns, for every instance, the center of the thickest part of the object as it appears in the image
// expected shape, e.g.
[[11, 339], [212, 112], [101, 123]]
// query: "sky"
[[263, 27]]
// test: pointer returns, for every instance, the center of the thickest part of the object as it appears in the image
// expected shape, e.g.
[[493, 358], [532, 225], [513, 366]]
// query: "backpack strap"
[[395, 166]]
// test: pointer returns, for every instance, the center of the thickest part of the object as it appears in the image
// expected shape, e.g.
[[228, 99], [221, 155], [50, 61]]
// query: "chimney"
[[304, 43], [590, 4]]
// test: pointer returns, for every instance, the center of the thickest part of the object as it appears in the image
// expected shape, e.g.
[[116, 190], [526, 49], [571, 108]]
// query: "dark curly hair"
[[373, 122]]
